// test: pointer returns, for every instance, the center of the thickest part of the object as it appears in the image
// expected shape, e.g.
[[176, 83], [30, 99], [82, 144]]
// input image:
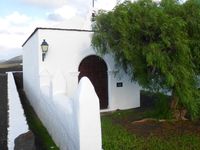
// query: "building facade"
[[69, 58]]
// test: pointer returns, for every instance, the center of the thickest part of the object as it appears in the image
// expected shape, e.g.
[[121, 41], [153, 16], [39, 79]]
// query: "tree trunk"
[[174, 106], [179, 112], [174, 101]]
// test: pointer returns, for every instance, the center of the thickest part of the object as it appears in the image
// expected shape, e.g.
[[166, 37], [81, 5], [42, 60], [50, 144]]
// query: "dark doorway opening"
[[95, 68]]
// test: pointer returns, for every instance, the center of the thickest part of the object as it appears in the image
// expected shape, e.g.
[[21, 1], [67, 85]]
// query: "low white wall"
[[16, 119], [74, 123]]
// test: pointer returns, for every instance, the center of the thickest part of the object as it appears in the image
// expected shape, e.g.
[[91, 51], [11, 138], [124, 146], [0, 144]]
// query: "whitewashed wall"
[[66, 51], [31, 67], [16, 119], [74, 123], [50, 86]]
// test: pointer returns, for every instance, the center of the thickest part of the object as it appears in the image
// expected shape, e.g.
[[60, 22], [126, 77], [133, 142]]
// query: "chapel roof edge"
[[59, 29]]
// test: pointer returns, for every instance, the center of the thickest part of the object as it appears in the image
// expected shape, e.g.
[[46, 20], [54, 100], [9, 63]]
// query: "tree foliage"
[[191, 15], [157, 44]]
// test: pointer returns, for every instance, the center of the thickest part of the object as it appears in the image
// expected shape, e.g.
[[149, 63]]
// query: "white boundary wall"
[[17, 121], [74, 123]]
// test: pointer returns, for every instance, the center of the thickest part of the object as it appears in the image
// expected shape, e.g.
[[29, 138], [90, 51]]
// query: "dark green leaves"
[[156, 43]]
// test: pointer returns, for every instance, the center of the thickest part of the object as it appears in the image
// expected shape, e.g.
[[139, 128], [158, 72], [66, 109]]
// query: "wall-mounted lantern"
[[44, 47]]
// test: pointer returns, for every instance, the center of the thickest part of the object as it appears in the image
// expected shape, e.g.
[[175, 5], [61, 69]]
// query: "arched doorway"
[[95, 69]]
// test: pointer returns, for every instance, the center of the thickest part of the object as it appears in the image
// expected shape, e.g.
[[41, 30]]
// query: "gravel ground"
[[3, 112]]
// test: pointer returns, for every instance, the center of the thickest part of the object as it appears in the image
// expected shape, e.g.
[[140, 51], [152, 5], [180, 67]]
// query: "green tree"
[[191, 15], [155, 44]]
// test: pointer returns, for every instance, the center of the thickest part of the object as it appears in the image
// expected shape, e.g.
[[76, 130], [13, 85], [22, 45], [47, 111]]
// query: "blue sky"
[[18, 18]]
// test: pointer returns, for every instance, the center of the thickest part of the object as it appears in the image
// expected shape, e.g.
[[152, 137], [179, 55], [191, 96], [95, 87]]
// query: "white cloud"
[[84, 5], [12, 29], [105, 4], [9, 53], [11, 40], [78, 8], [45, 3], [63, 13], [16, 27], [17, 18]]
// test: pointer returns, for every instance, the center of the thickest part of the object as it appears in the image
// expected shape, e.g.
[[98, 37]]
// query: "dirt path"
[[135, 122], [164, 128], [3, 112]]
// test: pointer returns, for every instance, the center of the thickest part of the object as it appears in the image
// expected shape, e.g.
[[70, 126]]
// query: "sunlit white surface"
[[17, 121]]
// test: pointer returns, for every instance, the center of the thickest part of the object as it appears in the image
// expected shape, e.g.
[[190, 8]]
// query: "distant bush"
[[162, 107], [159, 102]]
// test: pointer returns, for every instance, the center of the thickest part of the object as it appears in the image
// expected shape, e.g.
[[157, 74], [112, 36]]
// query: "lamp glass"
[[44, 46]]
